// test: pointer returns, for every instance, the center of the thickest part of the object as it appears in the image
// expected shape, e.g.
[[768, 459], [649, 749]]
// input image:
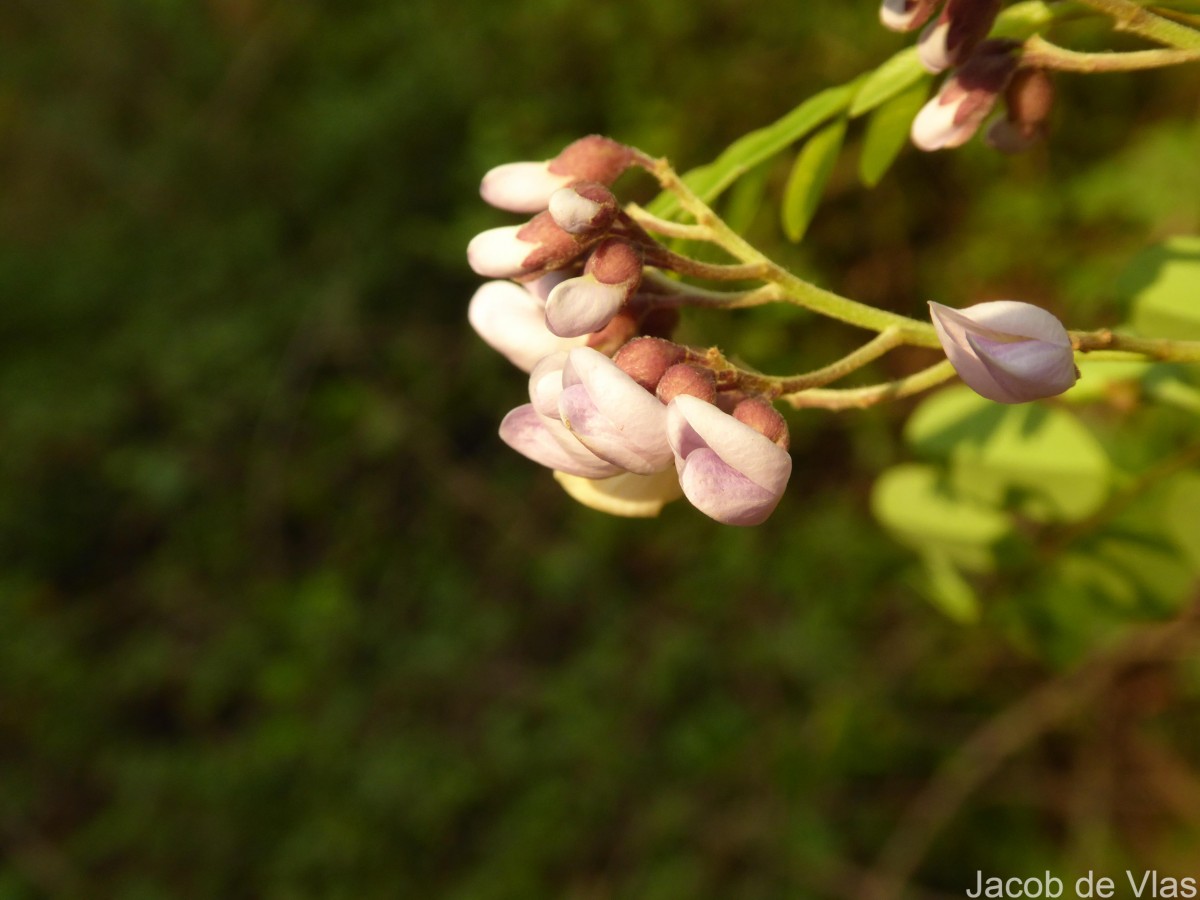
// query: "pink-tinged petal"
[[582, 305], [499, 253], [527, 432], [722, 492], [693, 424], [612, 415], [541, 287], [935, 128], [932, 49], [512, 321], [636, 496], [522, 187], [1006, 350], [583, 208]]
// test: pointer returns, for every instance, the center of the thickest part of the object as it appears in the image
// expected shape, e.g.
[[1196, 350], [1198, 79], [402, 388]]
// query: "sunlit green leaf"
[[896, 75], [887, 133], [948, 590], [814, 164], [1182, 515], [1163, 283]]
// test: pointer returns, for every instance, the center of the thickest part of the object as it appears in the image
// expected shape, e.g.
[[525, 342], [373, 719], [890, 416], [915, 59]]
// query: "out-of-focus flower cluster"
[[627, 419], [982, 72]]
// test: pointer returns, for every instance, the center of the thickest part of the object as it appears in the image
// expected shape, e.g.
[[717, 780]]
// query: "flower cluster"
[[984, 70], [627, 419]]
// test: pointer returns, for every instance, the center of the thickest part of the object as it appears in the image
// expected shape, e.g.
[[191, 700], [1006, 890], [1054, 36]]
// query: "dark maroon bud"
[[950, 39]]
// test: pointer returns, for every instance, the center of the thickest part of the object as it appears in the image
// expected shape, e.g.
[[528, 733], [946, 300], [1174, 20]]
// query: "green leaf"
[[913, 503], [1098, 380], [748, 151], [887, 132], [899, 73], [1040, 458], [1163, 284], [1021, 20], [1183, 515], [948, 590], [811, 171], [746, 198]]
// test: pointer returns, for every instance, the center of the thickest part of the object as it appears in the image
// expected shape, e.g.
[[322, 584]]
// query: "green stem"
[[802, 292], [665, 227], [1131, 17], [778, 386], [859, 398], [669, 293], [1164, 349], [1045, 55]]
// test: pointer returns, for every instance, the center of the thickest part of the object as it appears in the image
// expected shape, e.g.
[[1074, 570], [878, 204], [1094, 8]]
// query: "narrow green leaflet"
[[758, 146], [948, 590], [1163, 284], [887, 132], [814, 164], [746, 198], [899, 73]]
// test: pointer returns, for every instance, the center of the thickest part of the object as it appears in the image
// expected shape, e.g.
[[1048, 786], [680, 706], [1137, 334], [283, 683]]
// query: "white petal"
[[894, 14], [527, 433], [692, 424], [513, 322], [499, 253], [934, 128], [582, 305], [572, 212], [523, 187], [931, 47]]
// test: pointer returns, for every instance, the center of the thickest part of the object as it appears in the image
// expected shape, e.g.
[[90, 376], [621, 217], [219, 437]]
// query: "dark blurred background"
[[281, 617]]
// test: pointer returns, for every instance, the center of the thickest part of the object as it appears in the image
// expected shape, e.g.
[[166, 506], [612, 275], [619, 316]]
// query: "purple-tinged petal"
[[579, 306], [512, 321], [693, 424], [522, 187], [529, 434], [612, 415], [1006, 350], [722, 492]]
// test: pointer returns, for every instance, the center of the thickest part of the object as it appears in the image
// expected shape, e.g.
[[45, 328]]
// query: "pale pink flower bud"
[[906, 15], [646, 359], [512, 320], [727, 470], [966, 98], [588, 303], [1006, 350], [583, 208], [526, 187], [523, 251], [949, 40], [687, 378], [612, 415]]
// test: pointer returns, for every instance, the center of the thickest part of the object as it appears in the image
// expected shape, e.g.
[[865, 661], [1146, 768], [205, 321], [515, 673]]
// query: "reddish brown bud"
[[763, 418], [951, 38], [615, 261], [616, 334], [593, 158], [584, 208], [687, 378], [553, 248], [646, 360]]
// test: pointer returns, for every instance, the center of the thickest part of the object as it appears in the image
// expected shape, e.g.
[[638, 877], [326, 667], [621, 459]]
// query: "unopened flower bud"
[[523, 252], [621, 329], [1028, 100], [687, 378], [1006, 350], [647, 359], [966, 98], [764, 418], [727, 469], [587, 303], [584, 208], [950, 39], [526, 187], [512, 320], [906, 15]]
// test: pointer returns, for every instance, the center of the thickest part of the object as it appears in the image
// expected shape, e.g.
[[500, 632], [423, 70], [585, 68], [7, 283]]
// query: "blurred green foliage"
[[282, 618]]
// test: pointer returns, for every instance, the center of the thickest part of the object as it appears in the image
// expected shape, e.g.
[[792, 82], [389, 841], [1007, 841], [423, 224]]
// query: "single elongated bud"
[[587, 303], [1028, 102], [612, 415], [511, 319], [584, 208], [727, 469], [526, 187], [950, 39], [965, 99], [906, 15], [1006, 350], [523, 252]]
